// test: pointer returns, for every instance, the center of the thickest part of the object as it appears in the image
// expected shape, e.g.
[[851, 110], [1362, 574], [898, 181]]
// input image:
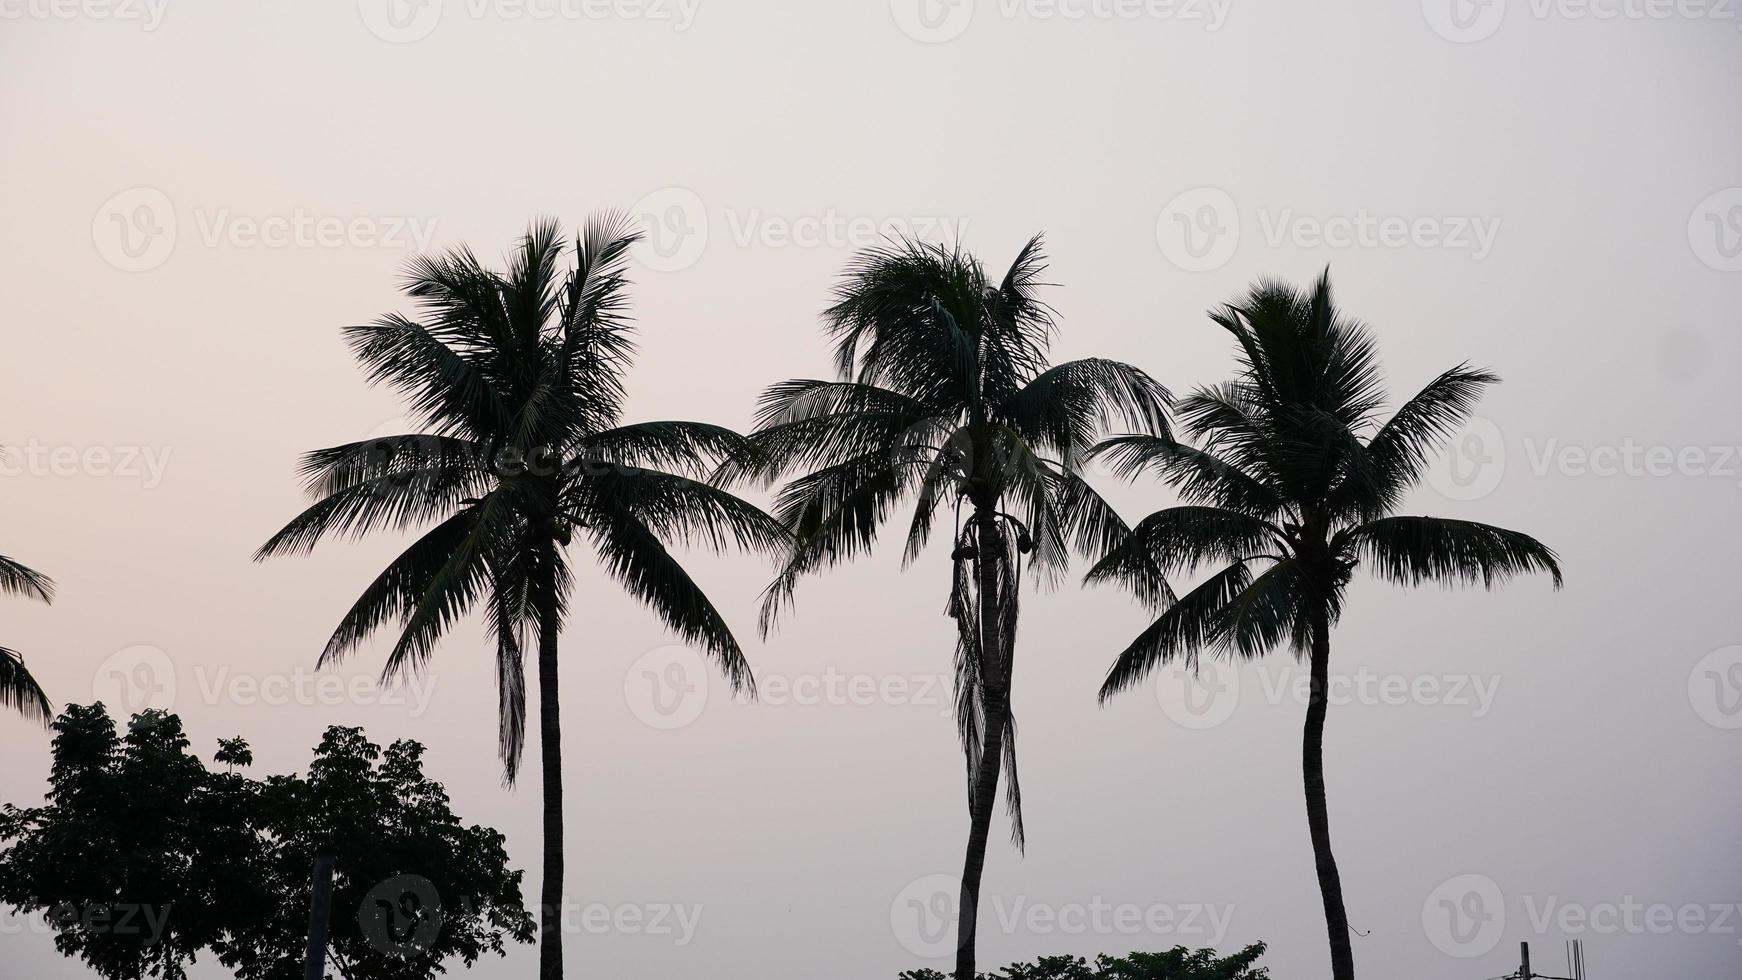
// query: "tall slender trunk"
[[983, 799], [550, 937], [1318, 819]]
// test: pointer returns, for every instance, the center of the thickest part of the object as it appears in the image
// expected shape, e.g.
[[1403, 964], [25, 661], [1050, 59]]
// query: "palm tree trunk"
[[1318, 819], [550, 937], [984, 797]]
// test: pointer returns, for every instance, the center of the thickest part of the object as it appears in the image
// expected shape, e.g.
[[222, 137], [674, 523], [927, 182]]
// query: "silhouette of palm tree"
[[19, 690], [518, 378], [1293, 485], [945, 395]]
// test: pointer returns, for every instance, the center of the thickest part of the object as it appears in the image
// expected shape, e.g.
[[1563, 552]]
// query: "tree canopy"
[[142, 858]]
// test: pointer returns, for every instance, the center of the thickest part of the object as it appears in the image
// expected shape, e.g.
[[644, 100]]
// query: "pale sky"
[[198, 195]]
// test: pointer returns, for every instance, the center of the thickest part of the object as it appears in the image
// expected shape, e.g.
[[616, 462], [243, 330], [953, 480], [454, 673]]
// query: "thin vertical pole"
[[320, 910]]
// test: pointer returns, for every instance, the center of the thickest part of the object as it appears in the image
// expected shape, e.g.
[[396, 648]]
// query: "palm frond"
[[20, 691], [597, 334], [1411, 550], [395, 593], [1187, 627], [392, 501], [445, 389], [1199, 476], [1404, 446], [510, 618], [453, 587], [1064, 408], [833, 514], [693, 448], [17, 578], [1178, 538], [677, 508], [1268, 610], [635, 556]]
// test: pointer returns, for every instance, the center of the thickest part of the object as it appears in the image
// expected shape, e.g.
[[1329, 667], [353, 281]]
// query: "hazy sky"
[[198, 195]]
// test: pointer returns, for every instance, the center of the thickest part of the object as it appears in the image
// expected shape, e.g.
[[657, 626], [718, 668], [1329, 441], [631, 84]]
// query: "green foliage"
[[142, 858], [1178, 963]]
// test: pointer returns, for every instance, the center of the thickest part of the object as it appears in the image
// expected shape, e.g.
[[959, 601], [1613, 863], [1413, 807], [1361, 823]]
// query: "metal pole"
[[320, 909]]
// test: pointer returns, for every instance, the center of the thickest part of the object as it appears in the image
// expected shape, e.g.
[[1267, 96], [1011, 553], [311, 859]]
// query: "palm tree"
[[1293, 485], [19, 690], [518, 379], [944, 393]]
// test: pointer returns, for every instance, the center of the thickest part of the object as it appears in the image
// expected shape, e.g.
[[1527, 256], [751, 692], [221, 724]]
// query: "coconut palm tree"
[[944, 396], [19, 690], [1293, 485], [517, 379]]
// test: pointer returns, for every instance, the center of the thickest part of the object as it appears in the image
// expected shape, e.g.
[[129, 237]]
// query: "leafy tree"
[[1293, 485], [945, 395], [1178, 963], [18, 690], [517, 377], [142, 859]]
